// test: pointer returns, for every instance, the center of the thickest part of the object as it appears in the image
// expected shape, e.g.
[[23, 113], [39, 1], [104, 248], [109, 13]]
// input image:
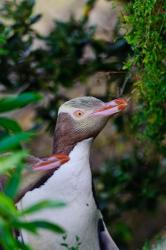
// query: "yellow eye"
[[78, 113]]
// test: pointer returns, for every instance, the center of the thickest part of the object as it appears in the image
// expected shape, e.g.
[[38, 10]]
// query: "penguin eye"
[[78, 113]]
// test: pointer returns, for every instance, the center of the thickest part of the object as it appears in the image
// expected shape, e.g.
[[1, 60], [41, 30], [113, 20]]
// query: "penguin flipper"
[[105, 240]]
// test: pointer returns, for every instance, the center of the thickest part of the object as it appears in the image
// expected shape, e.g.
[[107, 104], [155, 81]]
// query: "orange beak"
[[112, 107]]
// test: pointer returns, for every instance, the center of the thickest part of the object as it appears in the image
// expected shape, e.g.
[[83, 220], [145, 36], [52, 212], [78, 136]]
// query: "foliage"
[[130, 183], [127, 181], [147, 36], [158, 243], [76, 245], [12, 220], [59, 61], [139, 175]]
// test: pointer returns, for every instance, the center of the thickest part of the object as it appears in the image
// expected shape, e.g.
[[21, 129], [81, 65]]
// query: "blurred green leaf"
[[35, 18], [7, 240], [146, 246], [12, 142], [12, 185], [42, 205], [34, 225], [49, 226], [6, 206], [10, 161], [10, 124], [14, 102], [21, 245], [123, 231]]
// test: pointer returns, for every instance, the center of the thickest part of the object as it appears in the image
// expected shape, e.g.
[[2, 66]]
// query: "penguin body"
[[71, 184], [79, 122]]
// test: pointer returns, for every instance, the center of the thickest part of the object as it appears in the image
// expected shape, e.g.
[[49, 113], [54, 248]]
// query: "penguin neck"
[[66, 138], [81, 151], [74, 176]]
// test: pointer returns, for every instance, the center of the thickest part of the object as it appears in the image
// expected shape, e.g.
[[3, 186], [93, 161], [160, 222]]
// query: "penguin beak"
[[111, 108], [52, 162]]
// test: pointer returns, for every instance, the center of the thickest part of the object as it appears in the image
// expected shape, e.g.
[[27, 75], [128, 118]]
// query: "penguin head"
[[84, 117]]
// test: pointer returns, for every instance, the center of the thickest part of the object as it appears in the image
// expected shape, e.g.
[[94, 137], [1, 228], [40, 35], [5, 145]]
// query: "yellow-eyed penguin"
[[79, 122]]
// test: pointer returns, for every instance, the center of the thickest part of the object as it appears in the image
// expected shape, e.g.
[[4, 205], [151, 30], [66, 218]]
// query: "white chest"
[[72, 184]]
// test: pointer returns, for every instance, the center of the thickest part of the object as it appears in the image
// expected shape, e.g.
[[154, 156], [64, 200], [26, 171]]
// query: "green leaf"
[[33, 226], [21, 245], [64, 245], [10, 125], [14, 102], [6, 206], [8, 162], [13, 141], [28, 226], [49, 226], [7, 239], [35, 18], [12, 185], [42, 205]]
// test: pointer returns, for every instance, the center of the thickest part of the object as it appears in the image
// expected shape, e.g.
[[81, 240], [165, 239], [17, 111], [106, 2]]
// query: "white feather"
[[72, 183]]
